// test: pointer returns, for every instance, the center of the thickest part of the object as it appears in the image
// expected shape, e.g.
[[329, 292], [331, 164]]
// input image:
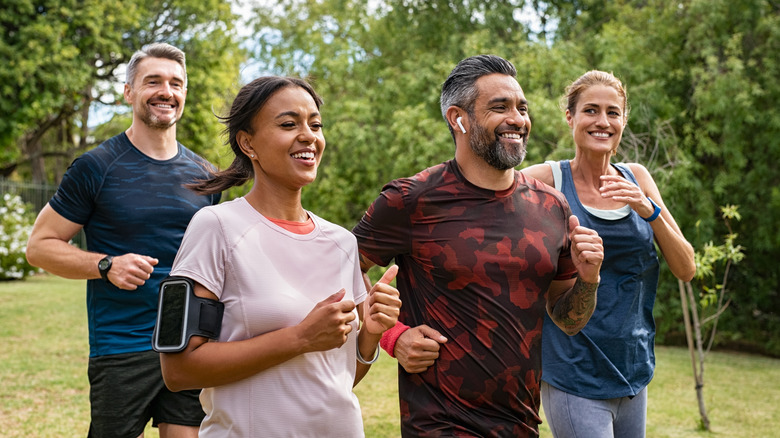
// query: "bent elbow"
[[688, 274], [172, 382], [37, 253], [571, 328], [174, 379], [174, 386], [690, 266], [573, 325], [571, 331], [32, 255]]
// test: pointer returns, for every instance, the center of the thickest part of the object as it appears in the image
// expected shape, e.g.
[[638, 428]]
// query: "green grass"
[[44, 389]]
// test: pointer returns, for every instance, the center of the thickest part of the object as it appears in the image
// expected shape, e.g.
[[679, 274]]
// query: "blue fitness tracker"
[[656, 212]]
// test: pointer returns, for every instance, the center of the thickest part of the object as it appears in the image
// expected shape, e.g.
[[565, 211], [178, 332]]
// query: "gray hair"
[[155, 50], [460, 90]]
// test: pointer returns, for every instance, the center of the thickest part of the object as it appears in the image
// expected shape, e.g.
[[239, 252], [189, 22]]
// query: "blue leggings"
[[570, 416]]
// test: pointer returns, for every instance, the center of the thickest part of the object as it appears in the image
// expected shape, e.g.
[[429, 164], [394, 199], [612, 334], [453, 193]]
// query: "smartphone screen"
[[173, 305]]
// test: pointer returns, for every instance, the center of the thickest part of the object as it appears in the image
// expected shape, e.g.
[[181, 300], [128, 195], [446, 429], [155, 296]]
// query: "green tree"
[[702, 81], [732, 131], [63, 57], [708, 306], [701, 76], [380, 72]]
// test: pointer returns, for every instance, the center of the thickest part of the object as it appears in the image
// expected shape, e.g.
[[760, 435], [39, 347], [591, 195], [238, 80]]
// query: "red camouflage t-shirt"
[[474, 265]]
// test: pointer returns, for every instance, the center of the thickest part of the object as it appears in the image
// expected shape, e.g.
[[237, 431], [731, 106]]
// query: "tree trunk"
[[33, 148], [693, 336]]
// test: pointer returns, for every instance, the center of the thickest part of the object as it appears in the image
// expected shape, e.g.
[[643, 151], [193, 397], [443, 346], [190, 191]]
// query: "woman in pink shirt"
[[291, 345]]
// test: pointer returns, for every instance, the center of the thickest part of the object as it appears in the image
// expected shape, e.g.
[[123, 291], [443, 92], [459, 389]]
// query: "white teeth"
[[304, 155], [163, 105], [514, 136], [600, 134]]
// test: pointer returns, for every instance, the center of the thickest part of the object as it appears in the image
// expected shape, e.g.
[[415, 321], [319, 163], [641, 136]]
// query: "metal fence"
[[36, 195]]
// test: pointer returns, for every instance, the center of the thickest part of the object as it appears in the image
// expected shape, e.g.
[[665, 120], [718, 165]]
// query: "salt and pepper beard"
[[489, 148], [152, 121]]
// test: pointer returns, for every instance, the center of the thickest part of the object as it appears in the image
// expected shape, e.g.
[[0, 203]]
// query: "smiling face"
[[157, 94], [598, 121], [287, 140], [500, 124]]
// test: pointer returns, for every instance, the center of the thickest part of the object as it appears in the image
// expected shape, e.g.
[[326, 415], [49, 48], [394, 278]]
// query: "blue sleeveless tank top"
[[613, 356]]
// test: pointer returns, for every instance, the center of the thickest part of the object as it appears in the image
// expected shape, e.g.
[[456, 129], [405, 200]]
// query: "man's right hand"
[[417, 348]]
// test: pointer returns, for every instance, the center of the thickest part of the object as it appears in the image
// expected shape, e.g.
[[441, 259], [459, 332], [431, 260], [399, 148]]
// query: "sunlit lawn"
[[44, 390]]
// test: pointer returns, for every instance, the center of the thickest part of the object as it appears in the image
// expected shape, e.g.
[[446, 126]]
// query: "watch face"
[[103, 264]]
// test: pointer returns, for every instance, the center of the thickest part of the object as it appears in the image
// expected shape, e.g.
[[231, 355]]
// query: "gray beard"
[[489, 148], [153, 122]]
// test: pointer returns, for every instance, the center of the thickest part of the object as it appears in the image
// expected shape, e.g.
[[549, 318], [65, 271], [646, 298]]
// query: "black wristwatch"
[[104, 265]]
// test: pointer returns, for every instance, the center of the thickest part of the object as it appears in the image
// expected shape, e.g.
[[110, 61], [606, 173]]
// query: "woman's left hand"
[[622, 190], [383, 304]]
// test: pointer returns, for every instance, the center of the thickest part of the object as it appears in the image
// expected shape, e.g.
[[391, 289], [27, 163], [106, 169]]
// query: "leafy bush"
[[15, 226]]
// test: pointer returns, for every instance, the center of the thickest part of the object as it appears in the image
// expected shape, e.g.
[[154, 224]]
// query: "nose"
[[166, 89], [518, 118], [602, 120], [307, 135]]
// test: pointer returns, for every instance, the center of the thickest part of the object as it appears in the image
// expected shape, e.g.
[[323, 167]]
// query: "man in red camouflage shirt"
[[483, 252]]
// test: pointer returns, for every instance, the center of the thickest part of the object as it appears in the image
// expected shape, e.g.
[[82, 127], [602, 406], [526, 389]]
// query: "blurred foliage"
[[63, 57], [714, 265], [702, 78], [16, 221]]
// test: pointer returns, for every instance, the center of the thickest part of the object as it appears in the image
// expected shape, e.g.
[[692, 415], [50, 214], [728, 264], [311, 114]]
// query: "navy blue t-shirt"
[[129, 203]]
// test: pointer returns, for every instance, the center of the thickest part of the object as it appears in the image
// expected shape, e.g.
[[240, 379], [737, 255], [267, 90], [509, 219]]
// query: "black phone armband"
[[181, 314]]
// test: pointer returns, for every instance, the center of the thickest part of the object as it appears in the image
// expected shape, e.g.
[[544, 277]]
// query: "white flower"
[[15, 229]]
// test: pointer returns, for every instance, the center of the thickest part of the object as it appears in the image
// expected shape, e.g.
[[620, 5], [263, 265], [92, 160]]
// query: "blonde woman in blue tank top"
[[595, 382]]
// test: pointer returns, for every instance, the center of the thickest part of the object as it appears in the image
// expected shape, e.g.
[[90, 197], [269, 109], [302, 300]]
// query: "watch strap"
[[104, 271], [656, 211]]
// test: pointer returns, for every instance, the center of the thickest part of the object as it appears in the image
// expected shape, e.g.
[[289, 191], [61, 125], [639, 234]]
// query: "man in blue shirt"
[[129, 197]]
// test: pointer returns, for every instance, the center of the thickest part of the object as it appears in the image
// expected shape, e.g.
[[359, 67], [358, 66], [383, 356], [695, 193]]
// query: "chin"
[[308, 179]]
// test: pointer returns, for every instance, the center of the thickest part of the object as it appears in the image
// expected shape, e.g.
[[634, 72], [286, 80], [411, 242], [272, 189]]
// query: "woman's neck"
[[277, 202], [587, 169]]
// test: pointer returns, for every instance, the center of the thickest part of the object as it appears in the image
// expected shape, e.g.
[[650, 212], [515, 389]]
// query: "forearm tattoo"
[[575, 307]]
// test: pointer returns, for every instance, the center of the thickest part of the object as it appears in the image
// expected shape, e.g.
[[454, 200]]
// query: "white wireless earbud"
[[460, 124]]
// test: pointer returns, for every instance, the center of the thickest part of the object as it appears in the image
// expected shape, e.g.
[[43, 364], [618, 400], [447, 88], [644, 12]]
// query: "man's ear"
[[457, 119], [128, 94]]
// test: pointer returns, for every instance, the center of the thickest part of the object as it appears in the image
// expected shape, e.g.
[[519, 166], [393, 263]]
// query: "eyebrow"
[[506, 99], [158, 76], [295, 114], [617, 107]]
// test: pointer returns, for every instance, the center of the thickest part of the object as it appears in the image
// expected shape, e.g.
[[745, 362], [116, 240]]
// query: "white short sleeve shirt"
[[270, 278]]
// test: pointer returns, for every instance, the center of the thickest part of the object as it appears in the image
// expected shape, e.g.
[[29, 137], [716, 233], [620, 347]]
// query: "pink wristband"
[[389, 337]]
